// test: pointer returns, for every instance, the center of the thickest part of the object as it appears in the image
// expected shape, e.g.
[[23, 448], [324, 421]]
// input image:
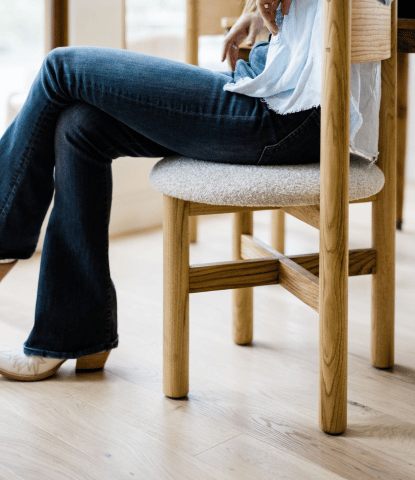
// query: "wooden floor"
[[251, 412]]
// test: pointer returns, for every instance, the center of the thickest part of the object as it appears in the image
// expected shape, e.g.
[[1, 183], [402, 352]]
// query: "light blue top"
[[286, 74]]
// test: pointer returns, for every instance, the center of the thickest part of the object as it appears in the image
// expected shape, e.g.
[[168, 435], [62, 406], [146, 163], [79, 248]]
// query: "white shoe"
[[18, 366], [8, 260], [29, 368]]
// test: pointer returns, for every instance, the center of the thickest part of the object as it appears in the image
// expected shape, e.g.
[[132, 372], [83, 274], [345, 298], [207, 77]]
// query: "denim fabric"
[[87, 107], [286, 73]]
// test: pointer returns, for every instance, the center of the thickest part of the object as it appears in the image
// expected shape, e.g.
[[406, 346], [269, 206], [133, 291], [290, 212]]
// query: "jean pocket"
[[299, 147]]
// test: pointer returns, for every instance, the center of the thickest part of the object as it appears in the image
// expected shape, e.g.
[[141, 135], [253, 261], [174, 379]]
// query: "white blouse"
[[286, 74]]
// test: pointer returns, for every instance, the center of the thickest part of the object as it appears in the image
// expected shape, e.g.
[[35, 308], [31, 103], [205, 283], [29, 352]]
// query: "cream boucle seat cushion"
[[247, 185]]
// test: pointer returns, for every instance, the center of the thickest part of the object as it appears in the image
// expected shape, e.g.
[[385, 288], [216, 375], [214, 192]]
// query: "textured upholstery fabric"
[[247, 185]]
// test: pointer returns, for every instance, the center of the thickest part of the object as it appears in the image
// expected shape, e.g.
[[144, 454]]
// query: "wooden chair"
[[319, 280], [406, 45]]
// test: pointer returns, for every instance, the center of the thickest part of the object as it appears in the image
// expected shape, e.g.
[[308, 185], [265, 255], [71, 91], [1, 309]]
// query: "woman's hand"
[[268, 10], [247, 26]]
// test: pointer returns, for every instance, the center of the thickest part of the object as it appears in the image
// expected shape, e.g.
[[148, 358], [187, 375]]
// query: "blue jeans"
[[87, 107]]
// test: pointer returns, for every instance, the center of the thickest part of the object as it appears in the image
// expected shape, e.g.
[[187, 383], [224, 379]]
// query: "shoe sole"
[[96, 361], [31, 378]]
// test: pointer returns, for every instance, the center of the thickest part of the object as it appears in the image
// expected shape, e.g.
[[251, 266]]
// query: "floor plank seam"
[[15, 475], [217, 445]]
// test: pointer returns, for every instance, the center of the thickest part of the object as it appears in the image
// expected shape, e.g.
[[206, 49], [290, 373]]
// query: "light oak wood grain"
[[290, 275], [334, 191], [193, 229], [384, 215], [207, 209], [278, 230], [229, 275], [242, 299], [6, 474], [361, 262], [300, 282], [121, 444], [367, 14], [192, 32], [42, 454], [249, 458], [309, 214], [176, 297], [298, 212]]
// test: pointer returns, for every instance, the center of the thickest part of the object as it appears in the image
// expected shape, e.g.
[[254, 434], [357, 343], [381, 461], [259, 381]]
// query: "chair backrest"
[[370, 34], [371, 31]]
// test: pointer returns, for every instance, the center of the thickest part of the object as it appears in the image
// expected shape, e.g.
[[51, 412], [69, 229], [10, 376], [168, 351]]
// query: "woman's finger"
[[268, 10], [253, 32], [230, 52], [285, 6], [233, 57], [227, 42], [228, 46]]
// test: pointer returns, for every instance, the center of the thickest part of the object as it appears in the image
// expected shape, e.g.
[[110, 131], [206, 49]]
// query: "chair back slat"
[[371, 31]]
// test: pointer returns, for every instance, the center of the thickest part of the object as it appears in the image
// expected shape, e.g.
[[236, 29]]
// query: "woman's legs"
[[114, 103], [74, 271]]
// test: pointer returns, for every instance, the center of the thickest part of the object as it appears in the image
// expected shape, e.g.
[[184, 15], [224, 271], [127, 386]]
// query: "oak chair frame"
[[320, 280]]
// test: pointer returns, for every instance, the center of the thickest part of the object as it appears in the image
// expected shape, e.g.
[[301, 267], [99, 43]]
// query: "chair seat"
[[248, 185]]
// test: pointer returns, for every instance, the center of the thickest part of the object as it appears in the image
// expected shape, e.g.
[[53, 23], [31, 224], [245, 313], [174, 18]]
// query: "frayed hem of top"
[[361, 153], [264, 100]]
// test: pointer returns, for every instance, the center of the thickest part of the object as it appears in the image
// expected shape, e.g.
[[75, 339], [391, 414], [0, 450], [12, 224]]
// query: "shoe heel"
[[5, 269], [92, 362]]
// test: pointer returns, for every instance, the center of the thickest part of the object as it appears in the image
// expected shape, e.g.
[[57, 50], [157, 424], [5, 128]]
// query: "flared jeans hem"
[[70, 355]]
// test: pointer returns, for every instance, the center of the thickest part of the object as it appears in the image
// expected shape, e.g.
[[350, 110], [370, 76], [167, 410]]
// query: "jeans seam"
[[291, 136], [24, 162], [120, 145], [108, 316], [162, 107]]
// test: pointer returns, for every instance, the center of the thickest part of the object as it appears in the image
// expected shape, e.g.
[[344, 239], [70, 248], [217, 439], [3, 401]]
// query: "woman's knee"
[[82, 127], [60, 55], [56, 58]]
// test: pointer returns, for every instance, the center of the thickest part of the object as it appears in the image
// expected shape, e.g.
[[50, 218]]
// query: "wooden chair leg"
[[176, 297], [333, 286], [243, 304], [278, 230], [383, 284], [384, 217], [403, 68], [334, 217], [193, 222]]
